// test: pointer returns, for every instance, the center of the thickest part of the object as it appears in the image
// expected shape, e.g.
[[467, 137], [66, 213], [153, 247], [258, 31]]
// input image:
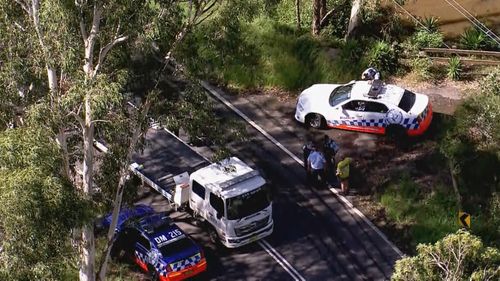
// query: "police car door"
[[337, 98], [352, 115], [375, 113]]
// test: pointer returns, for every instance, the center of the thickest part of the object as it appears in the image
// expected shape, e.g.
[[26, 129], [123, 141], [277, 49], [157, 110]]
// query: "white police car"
[[371, 107]]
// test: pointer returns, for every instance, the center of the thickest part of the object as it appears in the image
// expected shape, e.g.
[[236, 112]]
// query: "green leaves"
[[458, 256], [38, 208]]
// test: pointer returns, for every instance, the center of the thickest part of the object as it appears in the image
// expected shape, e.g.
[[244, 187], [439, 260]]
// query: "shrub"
[[422, 68], [454, 70], [425, 39], [430, 24], [476, 40], [458, 256], [383, 57]]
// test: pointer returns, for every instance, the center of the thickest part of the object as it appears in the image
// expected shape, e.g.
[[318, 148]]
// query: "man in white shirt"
[[316, 167]]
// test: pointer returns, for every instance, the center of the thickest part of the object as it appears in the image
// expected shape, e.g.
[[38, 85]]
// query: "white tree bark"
[[52, 77], [124, 172], [355, 18], [88, 254], [87, 262]]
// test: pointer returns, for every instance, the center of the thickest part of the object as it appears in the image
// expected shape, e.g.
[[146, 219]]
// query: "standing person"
[[307, 148], [370, 74], [306, 151], [343, 174], [330, 147], [316, 167]]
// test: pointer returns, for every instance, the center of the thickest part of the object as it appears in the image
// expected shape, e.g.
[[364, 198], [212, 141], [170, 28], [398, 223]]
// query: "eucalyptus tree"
[[64, 65]]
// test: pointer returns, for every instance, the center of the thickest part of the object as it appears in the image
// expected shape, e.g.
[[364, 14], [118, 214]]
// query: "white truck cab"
[[234, 199]]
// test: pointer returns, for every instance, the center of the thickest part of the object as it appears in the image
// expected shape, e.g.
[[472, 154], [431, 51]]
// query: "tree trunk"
[[52, 77], [354, 19], [87, 272], [65, 155], [454, 183], [88, 254], [297, 10], [322, 9], [316, 22], [124, 171]]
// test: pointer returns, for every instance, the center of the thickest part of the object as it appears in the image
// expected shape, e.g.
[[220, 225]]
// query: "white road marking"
[[281, 260], [351, 208], [263, 243], [250, 121]]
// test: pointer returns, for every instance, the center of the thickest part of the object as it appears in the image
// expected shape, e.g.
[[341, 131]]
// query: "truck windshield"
[[248, 203]]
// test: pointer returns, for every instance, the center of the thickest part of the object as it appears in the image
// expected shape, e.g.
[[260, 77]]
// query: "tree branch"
[[90, 42], [104, 51], [99, 120], [207, 16], [327, 17], [78, 118], [24, 6], [209, 6], [83, 27]]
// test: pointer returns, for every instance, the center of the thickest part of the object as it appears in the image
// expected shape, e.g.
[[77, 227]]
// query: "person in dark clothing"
[[330, 148], [306, 150]]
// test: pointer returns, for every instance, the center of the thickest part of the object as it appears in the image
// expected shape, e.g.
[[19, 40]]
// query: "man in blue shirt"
[[316, 167]]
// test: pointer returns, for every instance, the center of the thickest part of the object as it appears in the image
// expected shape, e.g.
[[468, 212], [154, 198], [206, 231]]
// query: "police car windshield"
[[407, 101], [340, 94], [176, 247], [249, 203]]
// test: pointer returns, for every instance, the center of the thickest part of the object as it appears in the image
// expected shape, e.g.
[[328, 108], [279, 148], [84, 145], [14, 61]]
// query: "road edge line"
[[212, 90], [281, 260]]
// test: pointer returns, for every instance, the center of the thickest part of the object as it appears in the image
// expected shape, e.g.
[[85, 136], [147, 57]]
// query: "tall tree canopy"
[[64, 67]]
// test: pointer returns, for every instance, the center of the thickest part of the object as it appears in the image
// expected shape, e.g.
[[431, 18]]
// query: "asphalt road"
[[317, 234]]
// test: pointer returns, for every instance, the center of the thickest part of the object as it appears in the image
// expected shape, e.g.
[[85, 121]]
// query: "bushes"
[[426, 39], [454, 70], [476, 40], [421, 66], [458, 256], [383, 57]]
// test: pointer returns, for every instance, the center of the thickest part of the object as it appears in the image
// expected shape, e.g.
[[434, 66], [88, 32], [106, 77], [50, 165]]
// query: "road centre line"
[[281, 260], [353, 210], [262, 243]]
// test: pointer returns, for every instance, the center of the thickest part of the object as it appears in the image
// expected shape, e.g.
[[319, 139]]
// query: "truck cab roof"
[[228, 178]]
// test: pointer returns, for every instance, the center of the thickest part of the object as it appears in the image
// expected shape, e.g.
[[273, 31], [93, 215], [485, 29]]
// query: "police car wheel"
[[396, 134], [154, 274], [315, 120]]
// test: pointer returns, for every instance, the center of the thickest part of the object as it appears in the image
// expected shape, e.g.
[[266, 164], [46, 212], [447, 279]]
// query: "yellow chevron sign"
[[464, 219]]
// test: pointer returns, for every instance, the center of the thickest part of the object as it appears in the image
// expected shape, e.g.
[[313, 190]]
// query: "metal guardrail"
[[489, 56], [461, 52]]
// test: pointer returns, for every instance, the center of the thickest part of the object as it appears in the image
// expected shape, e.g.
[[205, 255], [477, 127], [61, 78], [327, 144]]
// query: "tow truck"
[[233, 198]]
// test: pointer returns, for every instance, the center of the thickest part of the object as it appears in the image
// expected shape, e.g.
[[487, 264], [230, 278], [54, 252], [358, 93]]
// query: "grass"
[[429, 215], [266, 54]]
